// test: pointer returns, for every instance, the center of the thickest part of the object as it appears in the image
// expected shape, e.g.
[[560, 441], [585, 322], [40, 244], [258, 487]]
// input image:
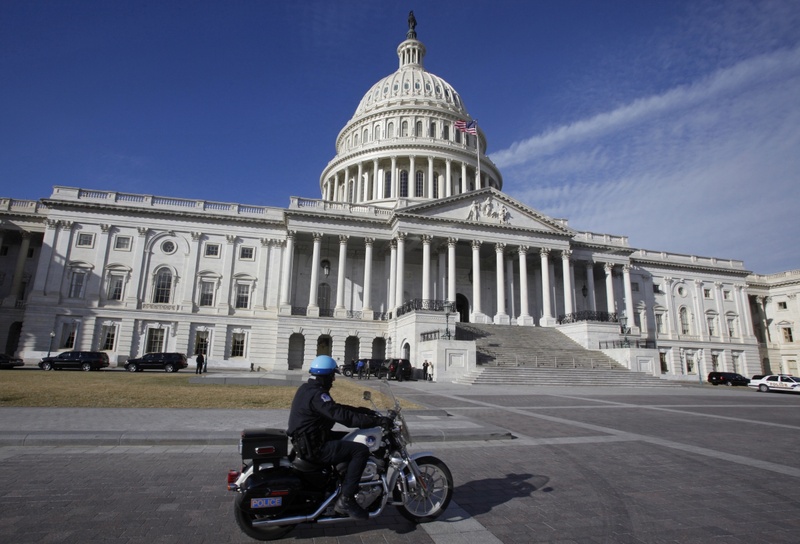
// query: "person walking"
[[200, 362]]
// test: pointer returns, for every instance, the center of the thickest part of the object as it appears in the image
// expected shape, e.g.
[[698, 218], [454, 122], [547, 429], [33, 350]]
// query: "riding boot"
[[349, 506]]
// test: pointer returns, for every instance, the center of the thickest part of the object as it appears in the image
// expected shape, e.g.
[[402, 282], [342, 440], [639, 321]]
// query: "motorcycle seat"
[[303, 465]]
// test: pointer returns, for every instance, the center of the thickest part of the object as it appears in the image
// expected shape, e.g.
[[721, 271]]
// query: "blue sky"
[[675, 123]]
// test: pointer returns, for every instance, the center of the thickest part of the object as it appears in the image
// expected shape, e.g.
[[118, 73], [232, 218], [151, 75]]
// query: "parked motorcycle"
[[276, 490]]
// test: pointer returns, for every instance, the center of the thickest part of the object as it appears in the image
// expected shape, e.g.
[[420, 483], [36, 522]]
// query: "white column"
[[392, 275], [442, 290], [313, 308], [429, 185], [700, 311], [511, 298], [346, 186], [463, 178], [375, 181], [367, 306], [610, 306], [743, 310], [342, 269], [590, 286], [395, 179], [451, 269], [19, 268], [449, 178], [286, 272], [426, 267], [401, 263], [412, 177], [567, 277], [45, 256], [360, 184], [501, 317], [672, 316], [547, 315], [626, 282], [524, 312], [477, 312]]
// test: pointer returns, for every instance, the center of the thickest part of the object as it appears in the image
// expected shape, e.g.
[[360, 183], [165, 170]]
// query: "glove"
[[386, 423]]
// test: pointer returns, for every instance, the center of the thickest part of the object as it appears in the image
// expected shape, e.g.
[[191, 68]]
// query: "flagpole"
[[478, 154]]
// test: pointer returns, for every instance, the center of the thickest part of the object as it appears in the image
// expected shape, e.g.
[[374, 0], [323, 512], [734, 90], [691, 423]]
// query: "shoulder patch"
[[326, 397]]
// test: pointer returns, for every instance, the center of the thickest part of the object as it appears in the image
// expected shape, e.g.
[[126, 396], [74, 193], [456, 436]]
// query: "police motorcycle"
[[277, 490]]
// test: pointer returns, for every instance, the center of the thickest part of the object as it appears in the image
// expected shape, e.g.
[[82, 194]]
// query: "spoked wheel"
[[245, 519], [132, 368], [427, 502], [86, 367]]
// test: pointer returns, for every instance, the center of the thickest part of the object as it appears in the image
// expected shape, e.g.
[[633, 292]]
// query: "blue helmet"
[[323, 365]]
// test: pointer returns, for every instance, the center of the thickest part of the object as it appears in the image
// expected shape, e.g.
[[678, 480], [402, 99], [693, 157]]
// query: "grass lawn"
[[103, 389]]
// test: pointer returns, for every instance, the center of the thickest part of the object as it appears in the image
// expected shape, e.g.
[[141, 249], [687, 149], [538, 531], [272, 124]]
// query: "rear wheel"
[[245, 518], [728, 384], [432, 495], [763, 388], [169, 367], [132, 367], [86, 367]]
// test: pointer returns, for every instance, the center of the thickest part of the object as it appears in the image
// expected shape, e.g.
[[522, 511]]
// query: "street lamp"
[[326, 267], [447, 323], [50, 347], [624, 321]]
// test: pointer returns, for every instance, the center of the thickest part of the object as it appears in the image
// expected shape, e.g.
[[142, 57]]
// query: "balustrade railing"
[[588, 315], [426, 304], [628, 343]]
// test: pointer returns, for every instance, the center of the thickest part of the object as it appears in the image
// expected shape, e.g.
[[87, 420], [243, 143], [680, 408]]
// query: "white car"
[[776, 382]]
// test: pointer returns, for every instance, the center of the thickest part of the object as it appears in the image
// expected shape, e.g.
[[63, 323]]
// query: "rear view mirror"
[[367, 395]]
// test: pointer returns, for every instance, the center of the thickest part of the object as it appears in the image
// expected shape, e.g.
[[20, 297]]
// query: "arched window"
[[162, 288], [351, 190], [435, 185], [365, 138], [404, 183], [377, 132], [419, 184], [418, 129], [404, 129], [355, 139], [390, 131], [684, 317], [387, 185], [432, 130]]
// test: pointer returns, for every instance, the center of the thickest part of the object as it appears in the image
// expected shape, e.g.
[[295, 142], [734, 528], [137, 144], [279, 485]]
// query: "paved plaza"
[[693, 464]]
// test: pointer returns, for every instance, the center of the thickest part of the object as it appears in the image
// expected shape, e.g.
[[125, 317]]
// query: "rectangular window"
[[787, 335], [30, 252], [155, 341], [122, 243], [108, 335], [634, 287], [712, 331], [732, 328], [115, 284], [201, 342], [237, 344], [85, 239], [660, 323], [656, 288], [212, 250], [782, 305], [206, 293], [726, 295], [706, 293], [76, 283], [242, 296], [247, 253]]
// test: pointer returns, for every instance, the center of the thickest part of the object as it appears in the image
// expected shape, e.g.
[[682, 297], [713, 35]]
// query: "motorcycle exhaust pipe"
[[297, 519]]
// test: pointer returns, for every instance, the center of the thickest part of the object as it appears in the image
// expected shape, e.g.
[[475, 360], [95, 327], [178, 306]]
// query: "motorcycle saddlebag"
[[264, 444]]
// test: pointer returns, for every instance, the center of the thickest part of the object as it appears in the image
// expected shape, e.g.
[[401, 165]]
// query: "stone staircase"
[[511, 355]]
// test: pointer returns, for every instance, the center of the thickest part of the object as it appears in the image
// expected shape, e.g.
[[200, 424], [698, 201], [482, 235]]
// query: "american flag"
[[470, 127]]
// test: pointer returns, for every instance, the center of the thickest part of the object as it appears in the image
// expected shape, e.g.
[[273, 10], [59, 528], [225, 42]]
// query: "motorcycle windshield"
[[387, 403]]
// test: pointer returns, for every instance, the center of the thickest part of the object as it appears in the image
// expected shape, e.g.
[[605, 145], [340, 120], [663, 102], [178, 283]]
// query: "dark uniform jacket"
[[313, 415]]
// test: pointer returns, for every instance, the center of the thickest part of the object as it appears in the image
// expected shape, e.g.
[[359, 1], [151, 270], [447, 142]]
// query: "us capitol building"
[[412, 239]]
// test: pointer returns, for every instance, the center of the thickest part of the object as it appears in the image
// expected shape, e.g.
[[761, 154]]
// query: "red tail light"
[[233, 475]]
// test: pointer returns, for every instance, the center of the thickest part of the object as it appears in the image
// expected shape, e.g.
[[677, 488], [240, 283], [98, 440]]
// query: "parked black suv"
[[84, 360], [389, 368], [373, 368], [168, 362], [727, 378]]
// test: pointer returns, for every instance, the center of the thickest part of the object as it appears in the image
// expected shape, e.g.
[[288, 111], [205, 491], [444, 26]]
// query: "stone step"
[[562, 377]]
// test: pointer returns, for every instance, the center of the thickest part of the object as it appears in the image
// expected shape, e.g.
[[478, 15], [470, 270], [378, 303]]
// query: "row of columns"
[[448, 263], [336, 189]]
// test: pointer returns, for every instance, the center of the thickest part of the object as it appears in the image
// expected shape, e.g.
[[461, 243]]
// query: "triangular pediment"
[[487, 207]]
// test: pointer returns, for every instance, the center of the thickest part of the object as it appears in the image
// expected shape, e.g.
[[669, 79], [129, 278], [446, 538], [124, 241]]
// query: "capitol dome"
[[406, 142]]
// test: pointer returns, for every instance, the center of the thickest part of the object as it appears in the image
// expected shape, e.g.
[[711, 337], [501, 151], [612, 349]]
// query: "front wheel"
[[245, 519], [432, 495], [86, 367], [131, 368], [763, 388], [169, 367], [47, 366]]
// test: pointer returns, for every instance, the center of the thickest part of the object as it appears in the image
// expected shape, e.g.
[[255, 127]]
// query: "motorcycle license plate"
[[266, 502]]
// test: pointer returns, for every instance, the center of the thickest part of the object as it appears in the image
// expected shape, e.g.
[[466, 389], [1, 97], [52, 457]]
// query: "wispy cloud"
[[709, 167]]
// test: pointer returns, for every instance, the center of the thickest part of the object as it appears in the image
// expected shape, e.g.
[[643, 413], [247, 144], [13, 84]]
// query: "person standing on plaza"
[[360, 368], [200, 362], [425, 370]]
